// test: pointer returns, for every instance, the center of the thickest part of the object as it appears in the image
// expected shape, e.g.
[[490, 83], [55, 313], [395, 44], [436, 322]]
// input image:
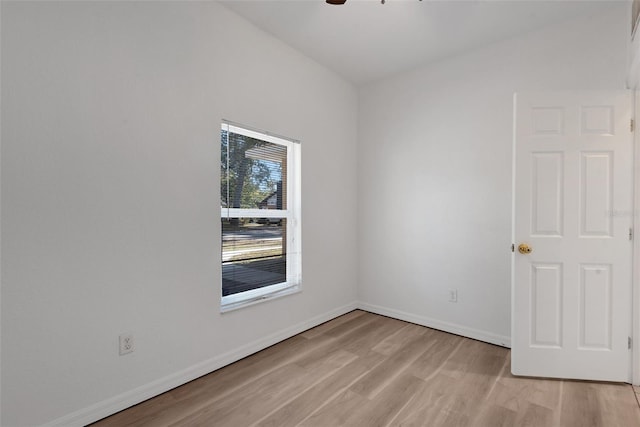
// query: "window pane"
[[252, 173], [253, 253]]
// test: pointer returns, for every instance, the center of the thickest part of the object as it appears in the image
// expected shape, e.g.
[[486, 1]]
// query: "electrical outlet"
[[126, 344], [453, 295]]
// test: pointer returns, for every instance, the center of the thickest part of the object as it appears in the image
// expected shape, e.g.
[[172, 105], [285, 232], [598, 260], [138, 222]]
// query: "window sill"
[[236, 302]]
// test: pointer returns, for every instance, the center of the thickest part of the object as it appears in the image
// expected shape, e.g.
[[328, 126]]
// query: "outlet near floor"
[[453, 295], [126, 344]]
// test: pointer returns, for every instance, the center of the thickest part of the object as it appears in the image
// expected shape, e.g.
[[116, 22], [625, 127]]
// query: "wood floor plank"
[[364, 369], [426, 404], [351, 335], [495, 416], [383, 408], [142, 414], [354, 323], [239, 408], [259, 398], [586, 403], [400, 338], [203, 391], [444, 345], [456, 411], [346, 340], [337, 411], [478, 377], [331, 324], [378, 378], [516, 393], [580, 405], [308, 402], [617, 409], [532, 415], [381, 328]]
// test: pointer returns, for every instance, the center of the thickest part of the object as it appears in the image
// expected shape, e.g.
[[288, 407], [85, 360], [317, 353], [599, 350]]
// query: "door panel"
[[546, 195], [596, 185], [571, 294], [546, 305], [595, 307]]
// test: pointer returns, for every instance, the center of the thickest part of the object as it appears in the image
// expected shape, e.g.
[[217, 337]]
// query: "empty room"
[[319, 213]]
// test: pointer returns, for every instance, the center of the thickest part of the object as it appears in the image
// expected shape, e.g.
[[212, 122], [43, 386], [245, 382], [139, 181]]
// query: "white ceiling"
[[364, 40]]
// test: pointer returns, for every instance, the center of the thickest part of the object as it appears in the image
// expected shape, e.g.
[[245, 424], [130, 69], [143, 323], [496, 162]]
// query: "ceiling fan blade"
[[336, 1]]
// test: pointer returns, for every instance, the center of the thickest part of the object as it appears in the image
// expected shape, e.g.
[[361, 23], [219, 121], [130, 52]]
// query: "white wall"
[[435, 171], [110, 177]]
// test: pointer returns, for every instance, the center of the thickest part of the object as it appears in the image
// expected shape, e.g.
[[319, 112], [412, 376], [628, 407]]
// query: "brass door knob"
[[523, 248]]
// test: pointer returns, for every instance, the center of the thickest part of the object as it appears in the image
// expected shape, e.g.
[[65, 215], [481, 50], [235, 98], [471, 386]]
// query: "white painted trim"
[[118, 403], [252, 132], [633, 74], [635, 291], [253, 213], [513, 215], [501, 340], [256, 296], [125, 400]]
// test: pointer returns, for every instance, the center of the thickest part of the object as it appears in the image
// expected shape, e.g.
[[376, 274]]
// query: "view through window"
[[260, 204]]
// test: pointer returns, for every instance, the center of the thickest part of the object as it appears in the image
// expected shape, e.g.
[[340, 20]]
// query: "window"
[[260, 212]]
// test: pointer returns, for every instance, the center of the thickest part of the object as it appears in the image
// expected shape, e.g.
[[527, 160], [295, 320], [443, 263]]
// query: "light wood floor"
[[362, 369]]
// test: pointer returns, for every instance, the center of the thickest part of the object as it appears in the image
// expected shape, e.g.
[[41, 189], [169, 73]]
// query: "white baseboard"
[[453, 328], [118, 403]]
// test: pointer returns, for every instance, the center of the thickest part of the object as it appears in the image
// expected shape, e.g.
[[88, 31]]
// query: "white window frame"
[[291, 214]]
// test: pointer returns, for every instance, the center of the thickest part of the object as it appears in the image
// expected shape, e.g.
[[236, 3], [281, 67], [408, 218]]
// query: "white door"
[[571, 295]]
